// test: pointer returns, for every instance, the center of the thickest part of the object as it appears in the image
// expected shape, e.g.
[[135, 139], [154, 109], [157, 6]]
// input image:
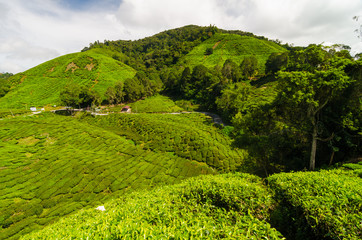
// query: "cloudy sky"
[[34, 31]]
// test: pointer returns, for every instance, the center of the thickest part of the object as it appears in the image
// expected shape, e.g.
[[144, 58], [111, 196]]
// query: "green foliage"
[[161, 50], [4, 86], [326, 204], [249, 66], [76, 96], [52, 165], [243, 98], [211, 207], [231, 71], [12, 112], [276, 62], [209, 51]]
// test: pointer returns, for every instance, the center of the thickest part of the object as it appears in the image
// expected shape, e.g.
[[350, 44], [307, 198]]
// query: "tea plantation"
[[305, 205], [230, 46], [208, 207], [188, 135], [52, 165]]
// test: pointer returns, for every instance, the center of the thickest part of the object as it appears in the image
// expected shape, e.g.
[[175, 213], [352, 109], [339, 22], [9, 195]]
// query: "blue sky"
[[34, 31], [83, 5]]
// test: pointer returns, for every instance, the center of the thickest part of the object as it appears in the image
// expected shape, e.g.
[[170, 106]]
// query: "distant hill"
[[41, 85], [101, 65], [230, 46]]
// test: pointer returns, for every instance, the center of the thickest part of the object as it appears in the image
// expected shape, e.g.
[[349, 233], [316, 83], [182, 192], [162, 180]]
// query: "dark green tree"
[[209, 51], [276, 62], [133, 90], [249, 66], [303, 95], [110, 95], [4, 87], [74, 95], [231, 71]]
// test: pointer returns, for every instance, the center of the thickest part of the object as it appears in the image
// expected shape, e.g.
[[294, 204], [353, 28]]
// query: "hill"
[[41, 85], [102, 65]]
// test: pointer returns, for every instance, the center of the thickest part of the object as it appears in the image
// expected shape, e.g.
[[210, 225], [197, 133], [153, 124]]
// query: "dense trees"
[[77, 96], [276, 62], [4, 84], [313, 95], [249, 66]]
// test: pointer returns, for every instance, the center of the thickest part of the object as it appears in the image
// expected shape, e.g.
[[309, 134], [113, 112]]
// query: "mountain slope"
[[230, 46], [42, 84]]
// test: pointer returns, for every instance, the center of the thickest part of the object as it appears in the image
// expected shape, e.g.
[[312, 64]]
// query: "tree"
[[119, 94], [4, 87], [74, 95], [132, 89], [305, 94], [209, 51], [231, 71], [110, 95], [249, 66], [276, 62]]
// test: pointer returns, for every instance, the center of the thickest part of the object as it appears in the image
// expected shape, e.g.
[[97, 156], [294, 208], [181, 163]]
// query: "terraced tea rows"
[[190, 136], [51, 166], [233, 206]]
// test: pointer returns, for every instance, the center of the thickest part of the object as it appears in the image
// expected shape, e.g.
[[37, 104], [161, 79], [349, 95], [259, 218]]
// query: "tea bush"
[[231, 206], [326, 203]]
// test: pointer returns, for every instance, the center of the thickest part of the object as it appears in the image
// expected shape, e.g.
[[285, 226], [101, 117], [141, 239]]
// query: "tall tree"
[[304, 95]]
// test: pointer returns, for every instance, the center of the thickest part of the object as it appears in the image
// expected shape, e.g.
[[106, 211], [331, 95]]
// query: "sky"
[[35, 31]]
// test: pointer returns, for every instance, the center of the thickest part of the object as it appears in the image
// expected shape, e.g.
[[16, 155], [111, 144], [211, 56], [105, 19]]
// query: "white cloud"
[[39, 30]]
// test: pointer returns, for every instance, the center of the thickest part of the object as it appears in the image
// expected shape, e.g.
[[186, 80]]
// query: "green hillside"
[[52, 165], [42, 84], [230, 46]]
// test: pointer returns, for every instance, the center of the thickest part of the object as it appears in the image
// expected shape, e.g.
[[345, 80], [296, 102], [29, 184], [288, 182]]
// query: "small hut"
[[126, 109]]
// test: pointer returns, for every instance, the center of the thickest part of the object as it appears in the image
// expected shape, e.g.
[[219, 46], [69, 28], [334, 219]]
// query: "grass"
[[42, 84]]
